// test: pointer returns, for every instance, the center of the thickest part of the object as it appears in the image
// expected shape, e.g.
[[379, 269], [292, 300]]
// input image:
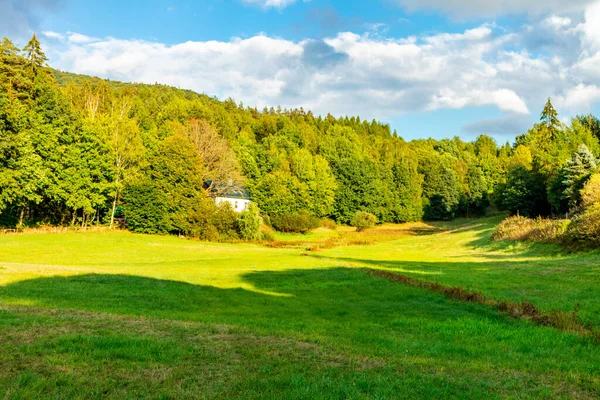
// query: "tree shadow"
[[550, 283], [386, 326]]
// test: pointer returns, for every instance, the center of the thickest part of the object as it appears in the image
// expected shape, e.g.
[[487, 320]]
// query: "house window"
[[246, 205], [236, 205]]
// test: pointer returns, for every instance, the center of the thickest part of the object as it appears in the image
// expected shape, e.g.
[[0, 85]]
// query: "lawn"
[[119, 315]]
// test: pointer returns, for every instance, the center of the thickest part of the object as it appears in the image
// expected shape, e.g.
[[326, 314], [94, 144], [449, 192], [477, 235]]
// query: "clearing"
[[88, 315]]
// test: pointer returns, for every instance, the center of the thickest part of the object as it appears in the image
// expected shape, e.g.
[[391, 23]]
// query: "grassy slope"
[[122, 315], [465, 257]]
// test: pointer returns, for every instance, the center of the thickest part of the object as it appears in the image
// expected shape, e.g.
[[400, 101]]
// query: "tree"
[[36, 59], [590, 195], [443, 203], [591, 123], [12, 71], [523, 194], [521, 157], [565, 189], [20, 167], [126, 147], [550, 119], [249, 223], [407, 185], [219, 162]]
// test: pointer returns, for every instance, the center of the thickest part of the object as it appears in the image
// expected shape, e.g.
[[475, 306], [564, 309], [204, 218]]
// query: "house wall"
[[238, 205]]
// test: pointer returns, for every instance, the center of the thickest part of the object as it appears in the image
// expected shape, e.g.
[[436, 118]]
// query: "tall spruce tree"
[[36, 59], [549, 118]]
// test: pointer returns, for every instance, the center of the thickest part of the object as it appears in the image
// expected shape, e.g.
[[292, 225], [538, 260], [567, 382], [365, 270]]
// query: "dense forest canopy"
[[82, 150]]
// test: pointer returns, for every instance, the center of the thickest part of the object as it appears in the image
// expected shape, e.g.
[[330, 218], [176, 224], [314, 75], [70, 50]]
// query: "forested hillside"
[[82, 150]]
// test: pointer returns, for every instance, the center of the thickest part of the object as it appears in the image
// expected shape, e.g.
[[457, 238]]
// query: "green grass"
[[126, 316]]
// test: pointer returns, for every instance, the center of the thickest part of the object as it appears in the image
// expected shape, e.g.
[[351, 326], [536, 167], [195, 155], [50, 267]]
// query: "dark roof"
[[226, 189]]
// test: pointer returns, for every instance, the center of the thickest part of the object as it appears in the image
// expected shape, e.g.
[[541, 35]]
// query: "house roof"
[[226, 189]]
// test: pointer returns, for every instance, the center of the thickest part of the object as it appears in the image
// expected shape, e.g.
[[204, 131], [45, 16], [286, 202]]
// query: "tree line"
[[82, 150]]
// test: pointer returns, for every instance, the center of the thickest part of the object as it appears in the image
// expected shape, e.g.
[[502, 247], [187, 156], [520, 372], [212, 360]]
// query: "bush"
[[329, 224], [590, 195], [541, 230], [249, 223], [584, 230], [363, 220], [300, 222], [225, 220]]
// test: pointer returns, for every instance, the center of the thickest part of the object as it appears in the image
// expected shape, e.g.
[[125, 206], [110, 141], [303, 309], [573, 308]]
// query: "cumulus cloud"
[[492, 8], [370, 75]]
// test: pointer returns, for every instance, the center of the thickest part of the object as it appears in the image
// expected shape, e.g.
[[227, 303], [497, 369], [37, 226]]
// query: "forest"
[[78, 150]]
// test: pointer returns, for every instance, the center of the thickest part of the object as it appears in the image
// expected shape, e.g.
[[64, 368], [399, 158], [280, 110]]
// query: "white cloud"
[[53, 35], [271, 3], [492, 8], [578, 99], [368, 75], [78, 38]]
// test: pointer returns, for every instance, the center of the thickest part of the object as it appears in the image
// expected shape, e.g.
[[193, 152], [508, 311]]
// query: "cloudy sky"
[[428, 67]]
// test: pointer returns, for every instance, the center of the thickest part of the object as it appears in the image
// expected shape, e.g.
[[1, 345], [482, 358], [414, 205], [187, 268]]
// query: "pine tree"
[[549, 118], [36, 59]]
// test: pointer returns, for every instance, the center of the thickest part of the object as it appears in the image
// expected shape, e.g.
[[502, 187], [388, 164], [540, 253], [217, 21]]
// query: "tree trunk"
[[21, 217], [114, 205], [112, 214]]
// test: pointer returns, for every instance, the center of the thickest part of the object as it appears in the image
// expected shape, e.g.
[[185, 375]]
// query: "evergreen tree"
[[550, 119], [565, 189], [36, 59]]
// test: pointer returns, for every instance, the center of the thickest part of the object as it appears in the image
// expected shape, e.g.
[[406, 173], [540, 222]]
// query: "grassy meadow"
[[118, 315]]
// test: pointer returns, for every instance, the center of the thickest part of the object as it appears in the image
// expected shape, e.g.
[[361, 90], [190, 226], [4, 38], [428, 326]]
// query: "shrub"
[[226, 222], [584, 230], [300, 222], [590, 194], [329, 224], [363, 220], [541, 230], [249, 223]]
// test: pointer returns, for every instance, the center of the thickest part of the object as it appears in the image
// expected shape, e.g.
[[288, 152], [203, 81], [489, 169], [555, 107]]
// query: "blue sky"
[[428, 67]]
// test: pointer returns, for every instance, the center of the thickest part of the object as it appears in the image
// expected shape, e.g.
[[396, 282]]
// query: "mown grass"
[[126, 316]]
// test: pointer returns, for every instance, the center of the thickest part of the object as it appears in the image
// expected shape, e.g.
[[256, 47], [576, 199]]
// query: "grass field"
[[117, 315]]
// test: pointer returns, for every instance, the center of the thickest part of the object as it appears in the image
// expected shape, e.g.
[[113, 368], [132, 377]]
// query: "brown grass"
[[540, 230]]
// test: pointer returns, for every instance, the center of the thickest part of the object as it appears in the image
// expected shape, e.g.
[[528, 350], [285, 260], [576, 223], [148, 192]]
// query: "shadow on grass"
[[324, 298], [394, 331]]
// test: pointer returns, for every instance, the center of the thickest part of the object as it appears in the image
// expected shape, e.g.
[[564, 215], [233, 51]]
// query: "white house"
[[228, 192]]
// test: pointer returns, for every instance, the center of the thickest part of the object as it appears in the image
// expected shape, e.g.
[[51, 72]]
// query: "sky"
[[429, 68]]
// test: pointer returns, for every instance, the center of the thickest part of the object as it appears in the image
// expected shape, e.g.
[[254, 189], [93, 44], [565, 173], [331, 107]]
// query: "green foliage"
[[522, 194], [564, 191], [590, 194], [584, 230], [363, 220], [297, 222], [71, 146], [147, 209], [250, 223], [444, 202], [549, 118]]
